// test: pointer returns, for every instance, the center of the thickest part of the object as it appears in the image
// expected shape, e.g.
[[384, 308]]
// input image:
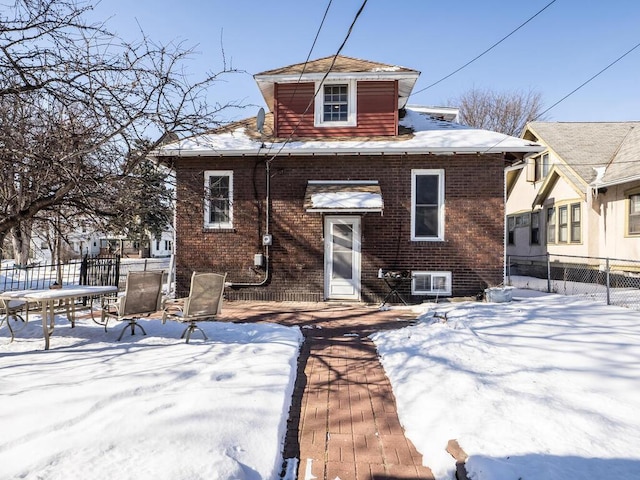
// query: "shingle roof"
[[342, 65], [586, 146]]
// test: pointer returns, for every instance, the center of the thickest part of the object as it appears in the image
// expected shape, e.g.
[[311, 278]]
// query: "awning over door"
[[343, 196]]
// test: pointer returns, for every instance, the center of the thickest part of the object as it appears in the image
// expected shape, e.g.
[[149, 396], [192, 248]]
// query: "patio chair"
[[203, 303], [142, 298], [11, 312]]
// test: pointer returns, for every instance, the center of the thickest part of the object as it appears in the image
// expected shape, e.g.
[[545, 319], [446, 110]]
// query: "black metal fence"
[[609, 280], [87, 271]]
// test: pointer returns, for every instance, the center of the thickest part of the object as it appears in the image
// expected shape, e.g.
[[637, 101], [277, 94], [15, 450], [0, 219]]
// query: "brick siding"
[[474, 229]]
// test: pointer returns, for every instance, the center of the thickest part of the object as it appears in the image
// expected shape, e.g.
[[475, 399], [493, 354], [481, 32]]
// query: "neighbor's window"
[[335, 105], [634, 214], [563, 224], [542, 166], [427, 205], [218, 205], [534, 238], [538, 168], [576, 220], [511, 227], [551, 225]]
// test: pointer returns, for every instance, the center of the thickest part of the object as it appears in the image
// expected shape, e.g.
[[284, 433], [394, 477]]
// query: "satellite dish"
[[260, 120]]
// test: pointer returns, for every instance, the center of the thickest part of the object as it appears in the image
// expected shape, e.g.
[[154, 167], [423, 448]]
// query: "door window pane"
[[342, 240]]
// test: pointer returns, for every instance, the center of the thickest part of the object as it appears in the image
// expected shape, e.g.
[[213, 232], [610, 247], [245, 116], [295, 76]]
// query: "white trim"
[[441, 199], [338, 77], [431, 291], [217, 173], [342, 182], [351, 99]]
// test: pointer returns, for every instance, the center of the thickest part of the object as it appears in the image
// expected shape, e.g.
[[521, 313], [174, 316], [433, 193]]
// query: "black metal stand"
[[394, 284]]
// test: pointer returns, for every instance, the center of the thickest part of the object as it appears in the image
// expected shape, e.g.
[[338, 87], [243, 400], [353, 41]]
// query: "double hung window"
[[564, 223], [335, 104], [218, 202], [634, 214], [427, 205]]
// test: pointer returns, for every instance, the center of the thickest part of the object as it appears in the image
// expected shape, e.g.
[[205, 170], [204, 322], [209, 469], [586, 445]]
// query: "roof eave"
[[346, 151], [406, 81], [612, 183]]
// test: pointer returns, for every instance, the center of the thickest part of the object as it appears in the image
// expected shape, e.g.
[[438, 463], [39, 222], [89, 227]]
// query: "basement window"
[[430, 283]]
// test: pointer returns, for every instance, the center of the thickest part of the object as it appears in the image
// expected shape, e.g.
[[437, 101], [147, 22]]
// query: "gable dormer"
[[357, 98]]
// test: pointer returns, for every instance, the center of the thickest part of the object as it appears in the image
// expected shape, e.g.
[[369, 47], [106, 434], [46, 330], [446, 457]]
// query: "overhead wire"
[[487, 50], [304, 66], [574, 90], [311, 102], [589, 80]]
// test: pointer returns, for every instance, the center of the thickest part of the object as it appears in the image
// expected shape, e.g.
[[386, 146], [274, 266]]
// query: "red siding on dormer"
[[377, 104], [291, 101]]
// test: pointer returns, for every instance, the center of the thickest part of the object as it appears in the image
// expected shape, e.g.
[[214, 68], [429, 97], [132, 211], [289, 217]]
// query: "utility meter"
[[267, 239]]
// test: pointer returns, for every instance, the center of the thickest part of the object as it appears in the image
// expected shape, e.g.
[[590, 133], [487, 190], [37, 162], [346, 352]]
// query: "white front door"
[[342, 257]]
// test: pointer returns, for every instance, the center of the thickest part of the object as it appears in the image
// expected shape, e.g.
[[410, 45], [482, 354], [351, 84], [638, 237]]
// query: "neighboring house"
[[581, 195], [341, 181], [83, 242]]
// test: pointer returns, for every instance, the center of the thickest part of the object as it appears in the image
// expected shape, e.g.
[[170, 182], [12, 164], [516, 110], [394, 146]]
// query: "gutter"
[[349, 151]]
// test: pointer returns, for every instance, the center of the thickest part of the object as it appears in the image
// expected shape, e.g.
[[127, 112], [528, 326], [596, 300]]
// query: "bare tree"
[[77, 106], [505, 112]]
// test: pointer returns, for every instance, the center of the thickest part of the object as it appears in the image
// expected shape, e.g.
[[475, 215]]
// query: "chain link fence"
[[608, 280]]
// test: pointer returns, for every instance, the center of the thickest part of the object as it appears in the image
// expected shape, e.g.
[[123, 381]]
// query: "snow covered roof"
[[422, 135], [343, 196]]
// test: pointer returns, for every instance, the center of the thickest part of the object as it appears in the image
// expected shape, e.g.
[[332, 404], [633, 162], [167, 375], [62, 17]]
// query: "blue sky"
[[553, 54]]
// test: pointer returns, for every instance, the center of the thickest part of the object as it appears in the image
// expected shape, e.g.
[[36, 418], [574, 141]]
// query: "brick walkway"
[[343, 421]]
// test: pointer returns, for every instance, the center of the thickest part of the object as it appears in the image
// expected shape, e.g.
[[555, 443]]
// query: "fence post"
[[607, 266], [117, 271], [548, 273], [83, 269]]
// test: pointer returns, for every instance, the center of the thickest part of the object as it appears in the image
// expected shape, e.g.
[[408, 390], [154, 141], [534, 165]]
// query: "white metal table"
[[47, 297]]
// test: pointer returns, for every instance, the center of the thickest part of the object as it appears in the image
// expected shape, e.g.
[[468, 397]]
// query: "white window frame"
[[433, 274], [414, 174], [207, 205], [351, 98]]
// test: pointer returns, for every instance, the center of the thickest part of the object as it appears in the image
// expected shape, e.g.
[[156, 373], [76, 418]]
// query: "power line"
[[344, 42], [487, 50], [575, 89], [304, 67], [589, 80]]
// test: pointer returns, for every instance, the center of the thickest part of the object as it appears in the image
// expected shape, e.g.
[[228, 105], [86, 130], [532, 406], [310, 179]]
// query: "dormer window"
[[335, 104]]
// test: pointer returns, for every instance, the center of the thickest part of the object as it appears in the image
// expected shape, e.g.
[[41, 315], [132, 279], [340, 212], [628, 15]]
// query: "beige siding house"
[[581, 195]]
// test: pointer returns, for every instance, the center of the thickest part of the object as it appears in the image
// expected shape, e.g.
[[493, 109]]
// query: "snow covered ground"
[[545, 387], [147, 407]]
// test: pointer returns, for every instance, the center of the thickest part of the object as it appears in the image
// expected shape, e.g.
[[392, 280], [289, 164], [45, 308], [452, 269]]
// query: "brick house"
[[339, 182]]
